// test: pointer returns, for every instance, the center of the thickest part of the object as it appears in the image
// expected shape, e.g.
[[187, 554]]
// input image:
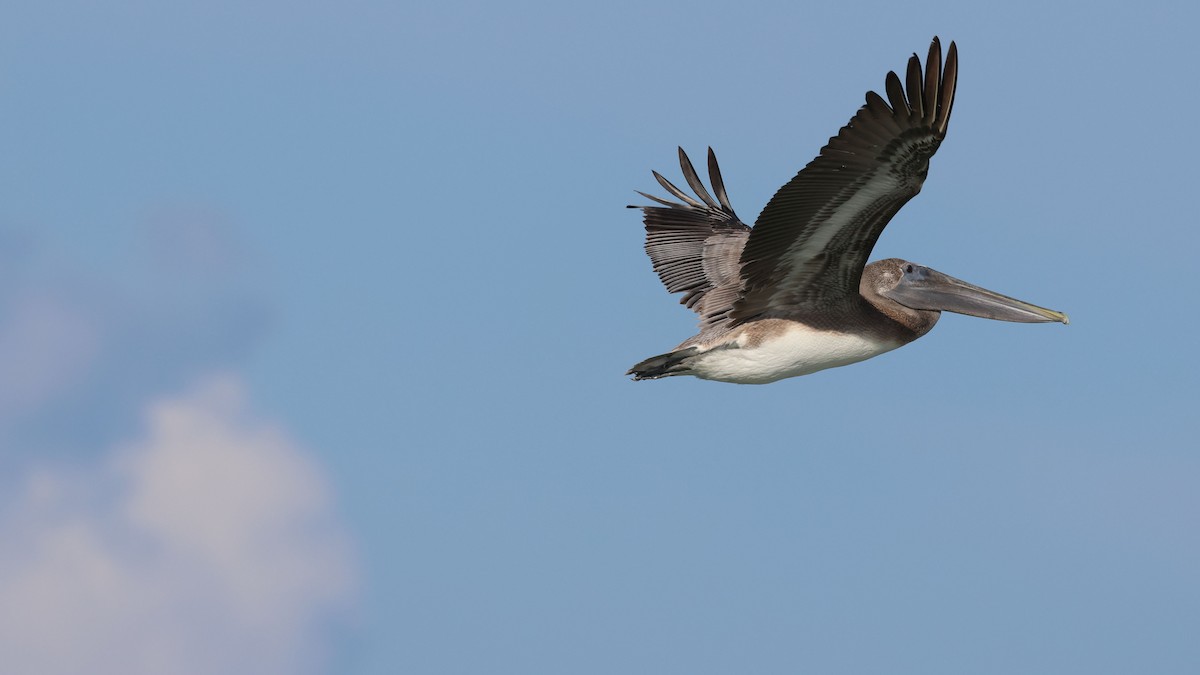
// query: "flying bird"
[[795, 294]]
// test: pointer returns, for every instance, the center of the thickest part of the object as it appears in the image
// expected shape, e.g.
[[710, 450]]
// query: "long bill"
[[925, 288]]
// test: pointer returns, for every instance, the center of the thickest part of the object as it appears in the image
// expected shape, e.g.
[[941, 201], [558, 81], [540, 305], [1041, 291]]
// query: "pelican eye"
[[908, 269]]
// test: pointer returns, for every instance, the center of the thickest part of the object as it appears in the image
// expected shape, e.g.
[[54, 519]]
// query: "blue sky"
[[313, 321]]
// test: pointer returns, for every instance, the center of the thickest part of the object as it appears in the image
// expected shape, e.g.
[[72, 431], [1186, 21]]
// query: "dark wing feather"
[[695, 246], [812, 240]]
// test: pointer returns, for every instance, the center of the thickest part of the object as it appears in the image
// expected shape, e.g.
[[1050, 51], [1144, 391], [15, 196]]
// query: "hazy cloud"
[[207, 544], [91, 339], [46, 345]]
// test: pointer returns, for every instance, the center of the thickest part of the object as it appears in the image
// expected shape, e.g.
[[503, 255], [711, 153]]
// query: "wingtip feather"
[[679, 194], [895, 93], [949, 84], [933, 80], [718, 183], [693, 179]]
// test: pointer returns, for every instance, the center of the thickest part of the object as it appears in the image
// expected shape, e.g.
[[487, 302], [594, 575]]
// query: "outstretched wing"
[[696, 245], [811, 242]]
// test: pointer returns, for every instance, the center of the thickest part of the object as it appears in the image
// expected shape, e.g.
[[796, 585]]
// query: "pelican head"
[[925, 289]]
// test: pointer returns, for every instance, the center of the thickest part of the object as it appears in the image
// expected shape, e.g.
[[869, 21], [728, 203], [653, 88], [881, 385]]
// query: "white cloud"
[[208, 545]]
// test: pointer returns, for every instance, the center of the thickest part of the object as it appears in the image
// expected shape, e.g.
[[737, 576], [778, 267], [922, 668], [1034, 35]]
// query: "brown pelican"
[[795, 294]]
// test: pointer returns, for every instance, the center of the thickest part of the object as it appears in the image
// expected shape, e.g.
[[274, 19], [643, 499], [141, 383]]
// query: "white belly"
[[797, 350]]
